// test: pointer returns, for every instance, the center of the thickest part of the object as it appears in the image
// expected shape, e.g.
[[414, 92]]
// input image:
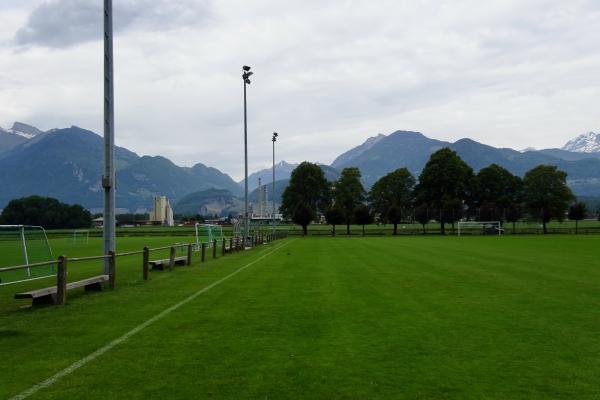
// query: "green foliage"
[[546, 194], [362, 216], [303, 215], [445, 184], [577, 212], [391, 193], [334, 216], [348, 193], [309, 188], [495, 191], [46, 212]]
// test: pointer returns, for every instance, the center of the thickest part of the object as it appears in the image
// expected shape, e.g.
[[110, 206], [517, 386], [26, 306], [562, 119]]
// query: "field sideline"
[[388, 317]]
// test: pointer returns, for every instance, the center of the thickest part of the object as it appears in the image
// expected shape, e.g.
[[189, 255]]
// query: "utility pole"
[[274, 139], [246, 79], [108, 179]]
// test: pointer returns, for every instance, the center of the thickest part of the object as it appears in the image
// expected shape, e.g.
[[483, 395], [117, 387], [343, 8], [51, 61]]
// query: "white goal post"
[[480, 228], [207, 233], [81, 236], [24, 245]]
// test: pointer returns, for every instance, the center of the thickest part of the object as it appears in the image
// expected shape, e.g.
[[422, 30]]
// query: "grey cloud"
[[64, 23]]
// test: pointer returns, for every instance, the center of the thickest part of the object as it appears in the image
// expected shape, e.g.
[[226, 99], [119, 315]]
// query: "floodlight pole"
[[108, 179], [245, 78], [274, 139]]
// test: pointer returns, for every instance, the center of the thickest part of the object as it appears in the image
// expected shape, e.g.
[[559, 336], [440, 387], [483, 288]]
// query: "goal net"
[[480, 228], [80, 236], [207, 233], [23, 245]]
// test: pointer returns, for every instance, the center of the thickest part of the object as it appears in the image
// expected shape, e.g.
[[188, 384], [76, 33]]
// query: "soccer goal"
[[207, 233], [23, 245], [80, 236], [480, 228]]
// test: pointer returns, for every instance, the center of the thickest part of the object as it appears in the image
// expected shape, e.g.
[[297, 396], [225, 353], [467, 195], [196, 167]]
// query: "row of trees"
[[46, 212], [447, 190]]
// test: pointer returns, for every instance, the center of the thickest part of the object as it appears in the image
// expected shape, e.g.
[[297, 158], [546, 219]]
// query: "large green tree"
[[46, 212], [348, 193], [445, 184], [495, 191], [392, 194], [363, 216], [308, 189], [577, 212], [546, 194], [334, 216]]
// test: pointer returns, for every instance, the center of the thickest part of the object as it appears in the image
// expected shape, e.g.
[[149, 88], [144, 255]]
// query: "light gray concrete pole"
[[273, 191], [246, 222], [108, 179]]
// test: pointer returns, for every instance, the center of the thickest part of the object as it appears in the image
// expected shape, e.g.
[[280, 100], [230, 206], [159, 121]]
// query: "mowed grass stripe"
[[431, 317], [166, 288]]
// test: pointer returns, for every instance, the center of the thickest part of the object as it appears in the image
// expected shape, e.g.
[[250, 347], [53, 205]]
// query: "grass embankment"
[[406, 317]]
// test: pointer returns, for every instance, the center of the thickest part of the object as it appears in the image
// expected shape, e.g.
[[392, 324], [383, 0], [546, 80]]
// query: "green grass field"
[[325, 318]]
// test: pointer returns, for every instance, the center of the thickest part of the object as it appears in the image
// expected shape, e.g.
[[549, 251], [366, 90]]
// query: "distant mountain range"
[[412, 150], [67, 164], [586, 143], [19, 133], [283, 170]]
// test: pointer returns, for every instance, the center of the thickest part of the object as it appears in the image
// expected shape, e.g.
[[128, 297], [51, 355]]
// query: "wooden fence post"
[[112, 268], [172, 258], [61, 281], [189, 254], [146, 259], [214, 248], [223, 248], [203, 251]]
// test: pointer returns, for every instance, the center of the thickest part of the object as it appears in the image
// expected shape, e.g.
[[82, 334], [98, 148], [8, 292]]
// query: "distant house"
[[163, 212], [98, 222]]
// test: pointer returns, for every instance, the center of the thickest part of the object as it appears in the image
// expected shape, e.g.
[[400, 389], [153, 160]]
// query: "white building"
[[162, 212]]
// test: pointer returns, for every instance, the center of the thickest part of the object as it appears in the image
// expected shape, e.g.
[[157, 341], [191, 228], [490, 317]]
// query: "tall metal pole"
[[273, 190], [246, 222], [108, 179]]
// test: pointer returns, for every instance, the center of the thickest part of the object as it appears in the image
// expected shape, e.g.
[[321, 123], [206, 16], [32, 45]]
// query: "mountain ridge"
[[67, 164], [585, 143]]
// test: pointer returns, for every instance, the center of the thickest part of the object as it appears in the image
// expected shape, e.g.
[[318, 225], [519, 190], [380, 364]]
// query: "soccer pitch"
[[325, 318]]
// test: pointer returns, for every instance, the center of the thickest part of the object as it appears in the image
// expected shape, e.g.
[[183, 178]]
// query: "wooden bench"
[[161, 264], [48, 295]]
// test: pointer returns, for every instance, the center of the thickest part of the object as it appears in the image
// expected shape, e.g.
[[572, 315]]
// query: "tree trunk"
[[395, 228], [576, 223], [442, 228], [347, 228], [423, 229], [333, 232], [514, 229], [304, 230], [363, 231], [544, 225]]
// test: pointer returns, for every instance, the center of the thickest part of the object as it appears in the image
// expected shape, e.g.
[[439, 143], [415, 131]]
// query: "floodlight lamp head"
[[246, 68]]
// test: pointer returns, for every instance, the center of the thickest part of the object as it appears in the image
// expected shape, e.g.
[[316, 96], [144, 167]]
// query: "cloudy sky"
[[328, 74]]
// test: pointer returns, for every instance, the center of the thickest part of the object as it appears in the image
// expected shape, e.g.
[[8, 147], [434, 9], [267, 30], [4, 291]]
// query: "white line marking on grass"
[[28, 280], [78, 364]]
